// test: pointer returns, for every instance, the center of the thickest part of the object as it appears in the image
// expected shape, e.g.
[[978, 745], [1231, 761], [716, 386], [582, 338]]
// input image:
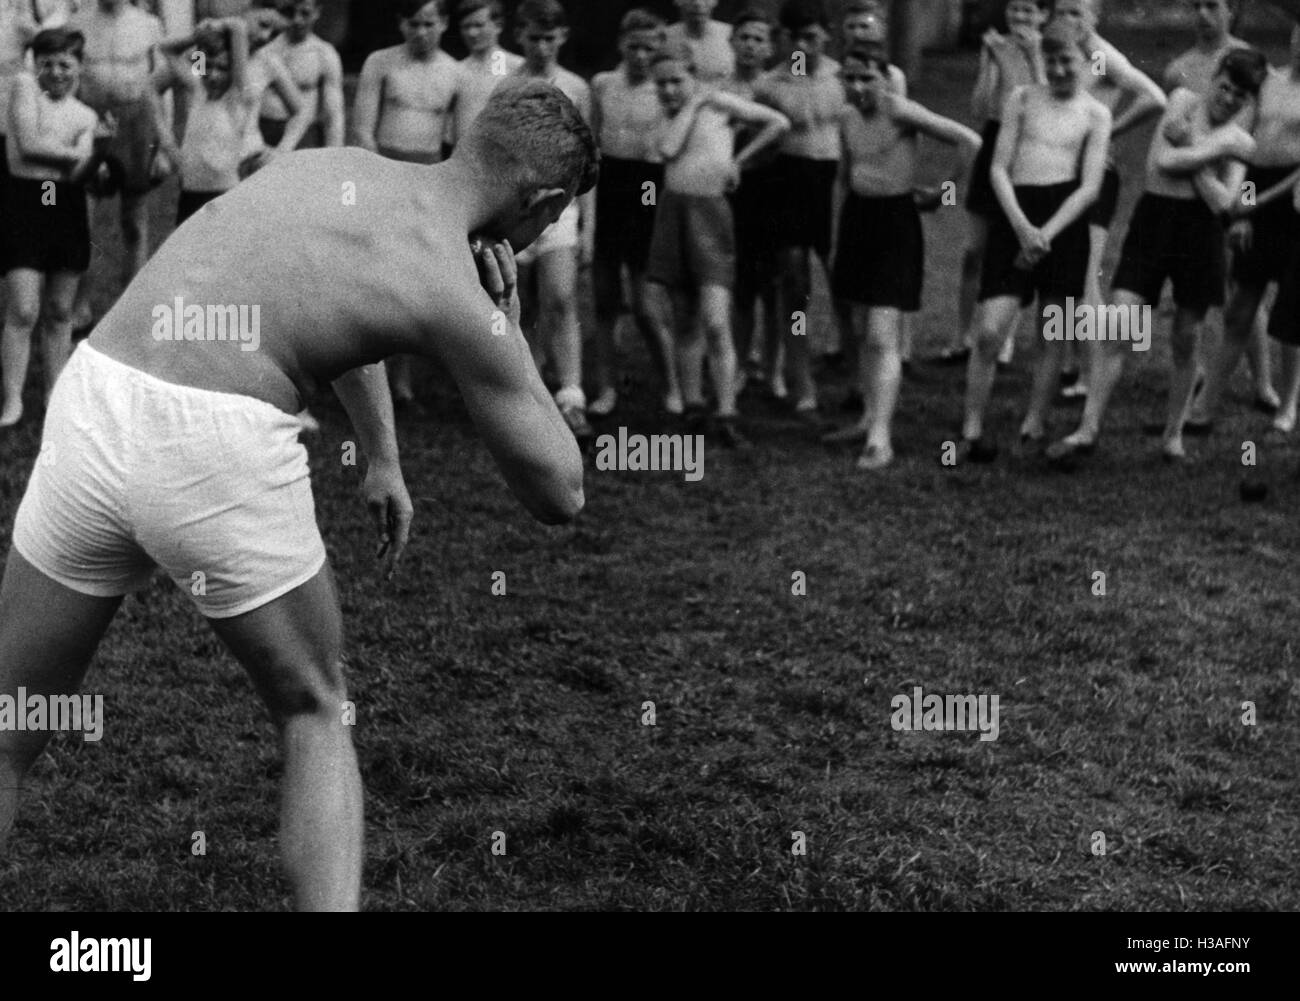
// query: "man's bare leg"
[[292, 649], [48, 634]]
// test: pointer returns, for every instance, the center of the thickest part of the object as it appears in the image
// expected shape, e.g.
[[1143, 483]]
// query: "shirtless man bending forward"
[[183, 453]]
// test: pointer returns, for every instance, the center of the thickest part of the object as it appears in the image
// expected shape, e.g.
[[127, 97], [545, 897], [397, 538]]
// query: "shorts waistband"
[[87, 355], [1060, 186]]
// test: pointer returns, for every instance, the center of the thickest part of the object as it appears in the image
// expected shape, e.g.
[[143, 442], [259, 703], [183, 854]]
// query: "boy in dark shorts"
[[1264, 237], [1006, 62], [45, 237], [1047, 172], [1176, 234], [880, 253], [807, 91], [752, 43], [625, 116], [692, 254], [1132, 98]]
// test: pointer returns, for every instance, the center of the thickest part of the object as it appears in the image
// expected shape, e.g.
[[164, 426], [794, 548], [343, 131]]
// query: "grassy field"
[[522, 713]]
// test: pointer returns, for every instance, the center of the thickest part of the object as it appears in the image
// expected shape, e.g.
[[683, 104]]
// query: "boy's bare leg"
[[660, 314], [135, 235], [968, 295], [996, 316], [291, 649], [1259, 354], [557, 278], [21, 313], [658, 339], [795, 289], [607, 283], [715, 319], [1285, 418], [1047, 369], [56, 330], [883, 373], [1238, 320], [48, 634], [1183, 349]]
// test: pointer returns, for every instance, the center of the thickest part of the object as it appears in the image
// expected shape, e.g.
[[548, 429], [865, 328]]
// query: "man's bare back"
[[338, 285]]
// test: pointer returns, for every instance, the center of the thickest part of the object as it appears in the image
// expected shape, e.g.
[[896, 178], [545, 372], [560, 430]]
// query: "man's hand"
[[498, 274], [390, 507]]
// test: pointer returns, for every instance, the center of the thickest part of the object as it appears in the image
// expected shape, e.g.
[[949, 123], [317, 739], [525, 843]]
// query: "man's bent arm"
[[365, 396], [490, 361]]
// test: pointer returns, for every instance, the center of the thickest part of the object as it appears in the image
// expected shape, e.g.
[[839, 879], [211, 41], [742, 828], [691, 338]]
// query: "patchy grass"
[[521, 714]]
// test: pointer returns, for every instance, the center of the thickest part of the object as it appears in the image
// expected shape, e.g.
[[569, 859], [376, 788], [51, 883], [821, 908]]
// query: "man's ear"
[[563, 36], [547, 200]]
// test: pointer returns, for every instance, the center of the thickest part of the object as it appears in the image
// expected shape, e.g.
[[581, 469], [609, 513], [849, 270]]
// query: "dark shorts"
[[981, 200], [192, 201], [880, 255], [273, 129], [751, 204], [1103, 209], [694, 242], [1284, 324], [624, 222], [1176, 239], [129, 154], [1274, 231], [1060, 275], [42, 233], [4, 157], [805, 202]]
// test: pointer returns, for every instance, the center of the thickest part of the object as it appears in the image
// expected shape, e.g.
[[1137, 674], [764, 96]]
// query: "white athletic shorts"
[[137, 473], [559, 235]]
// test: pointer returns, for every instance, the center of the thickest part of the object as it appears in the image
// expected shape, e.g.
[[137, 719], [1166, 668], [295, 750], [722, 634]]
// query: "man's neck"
[[484, 55], [421, 57], [475, 207], [546, 72], [747, 74], [634, 79], [696, 27], [1210, 45]]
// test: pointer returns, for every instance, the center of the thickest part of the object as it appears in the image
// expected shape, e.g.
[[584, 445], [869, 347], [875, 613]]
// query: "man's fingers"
[[399, 531], [504, 256], [489, 270]]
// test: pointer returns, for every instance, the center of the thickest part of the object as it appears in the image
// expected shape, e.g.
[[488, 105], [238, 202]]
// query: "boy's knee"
[[21, 313], [58, 312], [989, 341]]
